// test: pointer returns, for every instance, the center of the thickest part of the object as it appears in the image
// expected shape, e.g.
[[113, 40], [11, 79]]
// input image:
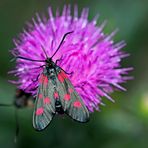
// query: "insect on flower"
[[56, 94], [21, 100], [92, 55]]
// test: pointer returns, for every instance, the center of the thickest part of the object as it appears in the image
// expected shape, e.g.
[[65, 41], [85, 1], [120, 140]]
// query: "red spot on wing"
[[39, 111], [41, 78], [62, 76], [67, 97], [47, 100], [77, 104], [56, 95], [45, 80], [40, 96], [70, 90]]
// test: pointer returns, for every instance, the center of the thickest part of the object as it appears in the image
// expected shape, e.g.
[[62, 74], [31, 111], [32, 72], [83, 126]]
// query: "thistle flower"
[[91, 55]]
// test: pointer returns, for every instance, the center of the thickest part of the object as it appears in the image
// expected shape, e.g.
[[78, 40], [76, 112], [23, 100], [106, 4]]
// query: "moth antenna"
[[17, 126], [19, 57], [61, 43], [44, 51]]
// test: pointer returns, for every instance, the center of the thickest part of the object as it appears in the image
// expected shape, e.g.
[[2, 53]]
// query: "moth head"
[[49, 63]]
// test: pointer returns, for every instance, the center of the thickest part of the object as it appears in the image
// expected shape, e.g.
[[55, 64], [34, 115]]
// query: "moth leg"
[[37, 78], [68, 73], [59, 60], [37, 67], [61, 68]]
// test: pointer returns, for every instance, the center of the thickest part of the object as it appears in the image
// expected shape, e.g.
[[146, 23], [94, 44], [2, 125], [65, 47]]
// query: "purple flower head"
[[91, 55]]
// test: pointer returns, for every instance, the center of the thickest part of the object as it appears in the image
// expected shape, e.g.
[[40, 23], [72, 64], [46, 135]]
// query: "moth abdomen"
[[58, 107]]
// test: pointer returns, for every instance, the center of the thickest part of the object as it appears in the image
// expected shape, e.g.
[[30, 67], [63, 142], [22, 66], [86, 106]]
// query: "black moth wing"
[[45, 103], [71, 101]]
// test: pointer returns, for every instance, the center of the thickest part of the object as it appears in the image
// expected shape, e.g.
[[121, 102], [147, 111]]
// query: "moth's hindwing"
[[71, 101], [45, 103]]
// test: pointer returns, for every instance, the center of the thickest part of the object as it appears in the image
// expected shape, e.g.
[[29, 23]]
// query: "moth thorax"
[[51, 70]]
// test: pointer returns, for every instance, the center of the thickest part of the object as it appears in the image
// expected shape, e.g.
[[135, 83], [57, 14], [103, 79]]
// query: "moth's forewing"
[[45, 103], [71, 101]]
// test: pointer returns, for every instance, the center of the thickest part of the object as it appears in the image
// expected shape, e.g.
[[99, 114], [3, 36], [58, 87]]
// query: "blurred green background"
[[123, 124]]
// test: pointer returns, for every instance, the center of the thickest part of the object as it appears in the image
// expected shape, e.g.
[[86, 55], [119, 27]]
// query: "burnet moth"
[[21, 100], [56, 94]]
